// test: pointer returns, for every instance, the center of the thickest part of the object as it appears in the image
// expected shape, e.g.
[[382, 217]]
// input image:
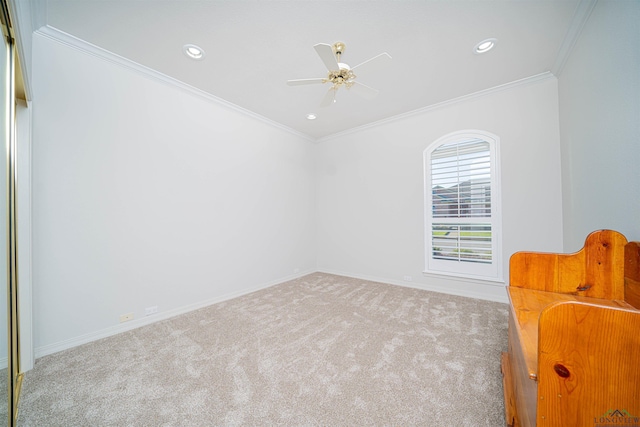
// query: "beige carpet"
[[4, 409], [322, 350]]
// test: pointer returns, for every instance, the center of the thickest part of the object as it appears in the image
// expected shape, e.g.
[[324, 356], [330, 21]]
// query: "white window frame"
[[491, 271]]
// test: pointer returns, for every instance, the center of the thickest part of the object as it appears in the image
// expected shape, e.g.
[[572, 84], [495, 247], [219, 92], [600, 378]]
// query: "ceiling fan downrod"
[[344, 75]]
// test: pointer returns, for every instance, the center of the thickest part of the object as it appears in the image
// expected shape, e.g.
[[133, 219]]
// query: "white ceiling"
[[253, 47]]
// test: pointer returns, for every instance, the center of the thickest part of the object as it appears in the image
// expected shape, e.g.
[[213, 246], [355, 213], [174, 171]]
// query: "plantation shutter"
[[460, 223]]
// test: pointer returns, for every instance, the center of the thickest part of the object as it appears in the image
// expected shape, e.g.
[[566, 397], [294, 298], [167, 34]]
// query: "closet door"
[[8, 236]]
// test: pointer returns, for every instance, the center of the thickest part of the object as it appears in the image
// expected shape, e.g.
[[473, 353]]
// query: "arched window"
[[462, 206]]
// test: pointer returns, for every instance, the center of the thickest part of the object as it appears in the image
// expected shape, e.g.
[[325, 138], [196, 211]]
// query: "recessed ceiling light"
[[485, 46], [193, 51], [311, 116]]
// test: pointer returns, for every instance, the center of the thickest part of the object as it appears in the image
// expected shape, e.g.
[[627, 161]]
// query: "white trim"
[[580, 18], [492, 292], [521, 82], [492, 271], [464, 278], [137, 323], [24, 16], [66, 39], [485, 291], [57, 35]]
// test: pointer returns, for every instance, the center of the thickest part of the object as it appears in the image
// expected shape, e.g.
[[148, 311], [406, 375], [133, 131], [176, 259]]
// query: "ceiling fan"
[[340, 74]]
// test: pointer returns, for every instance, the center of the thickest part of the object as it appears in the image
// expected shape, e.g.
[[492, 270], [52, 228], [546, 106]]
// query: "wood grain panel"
[[587, 363], [524, 388], [604, 265], [533, 270], [632, 274], [510, 412], [526, 306], [597, 270]]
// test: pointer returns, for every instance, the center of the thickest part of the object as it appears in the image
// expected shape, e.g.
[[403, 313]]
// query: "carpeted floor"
[[4, 410], [322, 350]]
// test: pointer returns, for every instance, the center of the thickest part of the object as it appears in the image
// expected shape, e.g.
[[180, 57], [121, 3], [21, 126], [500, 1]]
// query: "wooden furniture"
[[574, 336]]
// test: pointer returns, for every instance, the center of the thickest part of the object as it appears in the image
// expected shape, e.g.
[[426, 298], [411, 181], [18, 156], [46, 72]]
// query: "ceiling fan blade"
[[364, 91], [377, 60], [299, 82], [325, 52], [329, 98]]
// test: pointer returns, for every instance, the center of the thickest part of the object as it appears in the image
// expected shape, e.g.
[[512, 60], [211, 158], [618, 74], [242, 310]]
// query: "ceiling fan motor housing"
[[342, 76]]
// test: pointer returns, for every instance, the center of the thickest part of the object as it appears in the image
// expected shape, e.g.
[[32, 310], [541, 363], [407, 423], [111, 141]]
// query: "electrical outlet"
[[408, 279], [126, 317], [150, 310]]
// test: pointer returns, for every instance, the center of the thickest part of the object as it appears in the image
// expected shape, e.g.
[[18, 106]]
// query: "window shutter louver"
[[460, 221]]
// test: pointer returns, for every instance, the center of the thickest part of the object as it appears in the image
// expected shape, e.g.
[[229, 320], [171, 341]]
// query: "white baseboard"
[[483, 292], [134, 324]]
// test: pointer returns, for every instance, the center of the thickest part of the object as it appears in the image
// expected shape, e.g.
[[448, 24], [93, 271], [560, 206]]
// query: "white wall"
[[371, 196], [599, 97], [145, 195]]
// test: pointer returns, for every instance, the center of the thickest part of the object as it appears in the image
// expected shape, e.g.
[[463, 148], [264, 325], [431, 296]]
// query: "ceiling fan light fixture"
[[485, 46], [193, 51], [339, 74]]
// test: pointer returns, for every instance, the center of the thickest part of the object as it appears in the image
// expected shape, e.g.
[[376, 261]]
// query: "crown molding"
[[580, 18], [583, 11], [66, 39], [25, 15], [464, 98]]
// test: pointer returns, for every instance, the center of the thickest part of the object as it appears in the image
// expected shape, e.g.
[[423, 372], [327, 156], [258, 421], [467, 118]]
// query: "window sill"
[[465, 278]]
